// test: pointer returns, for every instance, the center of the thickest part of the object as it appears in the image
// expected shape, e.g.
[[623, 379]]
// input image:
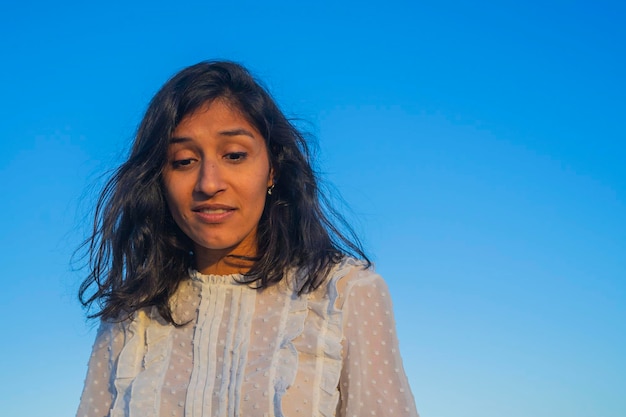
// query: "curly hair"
[[137, 255]]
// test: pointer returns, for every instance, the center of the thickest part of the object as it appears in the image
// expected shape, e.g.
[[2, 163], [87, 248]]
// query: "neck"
[[224, 263]]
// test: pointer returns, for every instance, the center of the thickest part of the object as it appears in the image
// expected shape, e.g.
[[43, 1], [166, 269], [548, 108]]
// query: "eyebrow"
[[228, 133], [237, 132], [174, 140]]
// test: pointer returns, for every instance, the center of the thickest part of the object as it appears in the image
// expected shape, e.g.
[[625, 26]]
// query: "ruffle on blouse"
[[286, 357], [330, 354], [142, 364], [215, 279], [129, 363]]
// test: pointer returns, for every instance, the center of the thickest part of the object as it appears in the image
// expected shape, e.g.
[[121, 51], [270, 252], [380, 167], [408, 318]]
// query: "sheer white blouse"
[[247, 352]]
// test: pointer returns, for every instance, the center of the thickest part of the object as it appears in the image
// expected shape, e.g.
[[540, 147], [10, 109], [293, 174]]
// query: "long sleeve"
[[372, 380], [98, 394]]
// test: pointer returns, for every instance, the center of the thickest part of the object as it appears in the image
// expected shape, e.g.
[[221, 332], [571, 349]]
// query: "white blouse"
[[247, 352]]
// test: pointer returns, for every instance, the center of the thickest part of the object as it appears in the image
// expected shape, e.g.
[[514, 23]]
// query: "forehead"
[[215, 123], [214, 114]]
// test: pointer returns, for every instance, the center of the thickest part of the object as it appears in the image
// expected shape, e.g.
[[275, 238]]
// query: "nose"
[[210, 179]]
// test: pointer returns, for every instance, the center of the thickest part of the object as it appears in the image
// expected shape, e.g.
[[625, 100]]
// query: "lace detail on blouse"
[[247, 352]]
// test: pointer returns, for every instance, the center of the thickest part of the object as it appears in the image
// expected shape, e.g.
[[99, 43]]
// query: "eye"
[[236, 156], [182, 163]]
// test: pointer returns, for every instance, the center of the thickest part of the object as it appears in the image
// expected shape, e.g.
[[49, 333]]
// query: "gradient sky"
[[479, 147]]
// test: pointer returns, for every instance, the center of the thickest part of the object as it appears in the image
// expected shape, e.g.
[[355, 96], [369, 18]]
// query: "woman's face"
[[216, 181]]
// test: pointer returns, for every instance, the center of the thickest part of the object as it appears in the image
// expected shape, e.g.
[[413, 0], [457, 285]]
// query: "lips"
[[213, 213]]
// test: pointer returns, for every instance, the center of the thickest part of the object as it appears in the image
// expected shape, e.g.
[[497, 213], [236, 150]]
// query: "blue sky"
[[479, 148]]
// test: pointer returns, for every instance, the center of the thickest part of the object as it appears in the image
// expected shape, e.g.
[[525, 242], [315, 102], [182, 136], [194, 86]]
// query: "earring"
[[270, 189]]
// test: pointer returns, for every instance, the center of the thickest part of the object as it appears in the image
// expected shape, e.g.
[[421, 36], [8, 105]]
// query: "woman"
[[224, 287]]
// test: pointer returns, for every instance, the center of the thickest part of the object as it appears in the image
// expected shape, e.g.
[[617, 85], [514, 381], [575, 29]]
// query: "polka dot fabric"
[[373, 382], [246, 352]]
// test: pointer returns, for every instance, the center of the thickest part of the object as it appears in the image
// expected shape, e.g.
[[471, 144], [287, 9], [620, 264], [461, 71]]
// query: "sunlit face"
[[216, 181]]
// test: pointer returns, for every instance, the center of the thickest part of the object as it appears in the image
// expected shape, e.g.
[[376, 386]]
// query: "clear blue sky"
[[479, 145]]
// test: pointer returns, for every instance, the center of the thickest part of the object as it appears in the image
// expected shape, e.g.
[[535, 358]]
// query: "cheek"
[[172, 200], [177, 214], [260, 193]]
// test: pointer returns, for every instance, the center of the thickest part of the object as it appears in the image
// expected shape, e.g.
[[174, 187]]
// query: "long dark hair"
[[136, 253]]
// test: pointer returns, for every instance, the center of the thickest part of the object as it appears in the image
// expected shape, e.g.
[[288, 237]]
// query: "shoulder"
[[353, 278], [126, 322]]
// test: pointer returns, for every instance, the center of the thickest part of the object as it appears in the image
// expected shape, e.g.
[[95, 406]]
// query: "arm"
[[99, 391], [372, 380]]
